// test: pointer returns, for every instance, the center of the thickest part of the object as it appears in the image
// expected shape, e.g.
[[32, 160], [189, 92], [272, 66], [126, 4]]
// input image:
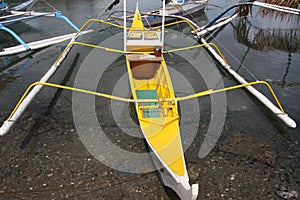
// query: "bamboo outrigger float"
[[154, 97]]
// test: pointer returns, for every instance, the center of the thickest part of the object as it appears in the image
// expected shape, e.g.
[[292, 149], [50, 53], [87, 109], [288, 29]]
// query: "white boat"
[[23, 12], [7, 15], [25, 6], [38, 44]]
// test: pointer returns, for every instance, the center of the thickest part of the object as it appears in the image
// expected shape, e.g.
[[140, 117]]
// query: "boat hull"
[[159, 122], [155, 106], [180, 185]]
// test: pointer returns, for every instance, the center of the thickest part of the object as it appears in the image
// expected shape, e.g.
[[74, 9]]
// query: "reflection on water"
[[116, 2], [5, 80], [9, 75], [15, 64], [265, 31], [260, 38], [286, 3], [20, 69]]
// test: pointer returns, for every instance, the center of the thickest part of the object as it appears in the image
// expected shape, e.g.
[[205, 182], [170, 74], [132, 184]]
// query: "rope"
[[46, 2]]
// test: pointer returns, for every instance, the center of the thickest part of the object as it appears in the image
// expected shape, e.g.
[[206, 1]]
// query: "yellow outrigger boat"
[[153, 94], [159, 121]]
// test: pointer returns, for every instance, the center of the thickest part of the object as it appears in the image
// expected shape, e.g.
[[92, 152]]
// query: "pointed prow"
[[137, 23]]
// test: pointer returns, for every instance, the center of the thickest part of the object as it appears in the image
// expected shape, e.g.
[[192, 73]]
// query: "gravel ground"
[[47, 160]]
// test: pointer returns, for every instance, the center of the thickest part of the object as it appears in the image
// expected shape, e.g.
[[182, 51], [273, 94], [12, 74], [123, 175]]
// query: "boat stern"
[[179, 184]]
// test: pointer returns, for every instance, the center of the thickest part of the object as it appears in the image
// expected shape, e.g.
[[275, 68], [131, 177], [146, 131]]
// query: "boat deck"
[[159, 121]]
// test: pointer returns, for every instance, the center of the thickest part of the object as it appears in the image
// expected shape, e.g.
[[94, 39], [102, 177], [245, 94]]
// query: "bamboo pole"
[[245, 10], [286, 3]]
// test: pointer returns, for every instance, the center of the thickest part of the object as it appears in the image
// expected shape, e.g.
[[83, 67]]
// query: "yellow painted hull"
[[159, 122]]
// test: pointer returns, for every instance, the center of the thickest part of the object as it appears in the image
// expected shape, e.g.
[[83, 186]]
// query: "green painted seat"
[[149, 94]]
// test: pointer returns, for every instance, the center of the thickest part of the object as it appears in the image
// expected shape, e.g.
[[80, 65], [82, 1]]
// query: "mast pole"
[[163, 24], [125, 27]]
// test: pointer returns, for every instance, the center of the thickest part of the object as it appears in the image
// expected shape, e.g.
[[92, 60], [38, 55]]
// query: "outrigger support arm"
[[15, 36], [36, 44], [35, 90], [19, 108], [36, 87], [60, 16], [32, 14]]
